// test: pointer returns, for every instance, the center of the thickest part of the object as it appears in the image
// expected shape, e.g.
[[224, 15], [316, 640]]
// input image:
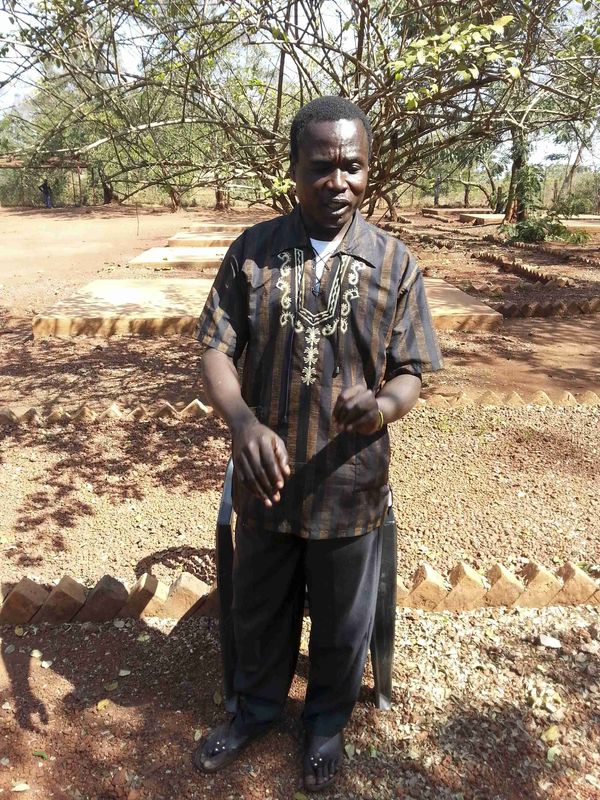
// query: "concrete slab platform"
[[442, 212], [167, 306], [587, 224], [454, 310], [481, 219], [189, 239], [234, 228], [143, 307], [180, 257], [582, 225]]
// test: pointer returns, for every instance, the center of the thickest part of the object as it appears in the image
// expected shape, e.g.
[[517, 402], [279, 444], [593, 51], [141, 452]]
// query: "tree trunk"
[[436, 191], [175, 199], [516, 201], [221, 203], [467, 188], [108, 193], [500, 205], [567, 183]]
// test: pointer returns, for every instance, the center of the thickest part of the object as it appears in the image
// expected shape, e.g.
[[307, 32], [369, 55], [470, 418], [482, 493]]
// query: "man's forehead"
[[324, 134]]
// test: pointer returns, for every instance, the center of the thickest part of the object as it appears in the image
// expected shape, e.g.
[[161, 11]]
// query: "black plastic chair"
[[382, 639]]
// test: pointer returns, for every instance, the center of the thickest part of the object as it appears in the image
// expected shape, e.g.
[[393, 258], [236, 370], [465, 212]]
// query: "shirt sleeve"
[[223, 323], [413, 347]]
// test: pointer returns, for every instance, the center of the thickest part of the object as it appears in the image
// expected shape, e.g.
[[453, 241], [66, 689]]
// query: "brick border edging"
[[85, 415], [396, 229], [28, 602], [559, 308], [553, 251], [490, 399], [113, 413]]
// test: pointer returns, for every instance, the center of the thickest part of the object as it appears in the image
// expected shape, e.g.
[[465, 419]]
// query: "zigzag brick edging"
[[556, 309], [85, 414], [557, 251], [398, 230], [464, 590], [196, 409], [511, 399], [550, 309], [519, 268]]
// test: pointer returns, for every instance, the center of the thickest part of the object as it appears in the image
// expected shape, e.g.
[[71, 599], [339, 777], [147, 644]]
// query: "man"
[[331, 315], [46, 191]]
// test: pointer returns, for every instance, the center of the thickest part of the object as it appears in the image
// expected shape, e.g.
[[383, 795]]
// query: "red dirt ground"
[[479, 484]]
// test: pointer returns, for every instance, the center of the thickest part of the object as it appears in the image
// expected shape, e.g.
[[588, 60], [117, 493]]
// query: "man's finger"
[[271, 466], [362, 402], [282, 456], [250, 480], [346, 396], [258, 464], [367, 423]]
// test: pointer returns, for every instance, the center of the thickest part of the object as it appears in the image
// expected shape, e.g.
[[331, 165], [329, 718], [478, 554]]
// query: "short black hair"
[[325, 109]]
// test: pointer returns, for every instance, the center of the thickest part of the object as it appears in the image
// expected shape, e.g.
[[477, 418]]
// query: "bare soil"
[[480, 710], [506, 484]]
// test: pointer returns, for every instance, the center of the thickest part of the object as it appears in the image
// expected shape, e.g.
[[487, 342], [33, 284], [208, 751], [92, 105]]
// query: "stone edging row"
[[28, 602], [519, 268], [558, 308], [196, 409], [33, 417], [510, 400], [397, 230], [556, 251]]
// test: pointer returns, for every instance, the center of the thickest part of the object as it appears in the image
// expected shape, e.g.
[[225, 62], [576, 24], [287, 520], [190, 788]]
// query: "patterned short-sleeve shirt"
[[304, 341]]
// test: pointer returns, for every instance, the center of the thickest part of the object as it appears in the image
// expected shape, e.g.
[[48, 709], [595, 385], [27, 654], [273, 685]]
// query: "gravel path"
[[481, 712], [479, 484]]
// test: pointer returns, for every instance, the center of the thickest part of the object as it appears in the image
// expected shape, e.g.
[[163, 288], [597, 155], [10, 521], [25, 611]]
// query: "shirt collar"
[[362, 240]]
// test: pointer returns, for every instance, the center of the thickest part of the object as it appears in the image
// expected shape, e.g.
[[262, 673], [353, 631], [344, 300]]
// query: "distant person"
[[47, 192]]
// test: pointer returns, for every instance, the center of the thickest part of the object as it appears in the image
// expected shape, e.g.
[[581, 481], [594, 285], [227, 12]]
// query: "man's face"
[[331, 174]]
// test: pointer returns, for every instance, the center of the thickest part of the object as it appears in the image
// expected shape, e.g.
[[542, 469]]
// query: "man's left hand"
[[356, 409]]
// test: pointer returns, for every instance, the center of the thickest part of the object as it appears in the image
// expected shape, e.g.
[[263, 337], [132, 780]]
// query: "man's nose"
[[337, 180]]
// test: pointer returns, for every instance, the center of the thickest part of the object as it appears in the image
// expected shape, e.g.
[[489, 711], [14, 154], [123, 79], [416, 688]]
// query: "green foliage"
[[462, 53], [529, 186], [537, 229], [168, 96], [572, 205]]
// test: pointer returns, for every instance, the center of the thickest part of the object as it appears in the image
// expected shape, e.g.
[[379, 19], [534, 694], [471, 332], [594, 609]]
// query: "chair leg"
[[384, 627], [225, 591]]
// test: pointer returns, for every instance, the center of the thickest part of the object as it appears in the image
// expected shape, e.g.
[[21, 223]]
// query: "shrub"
[[572, 205], [542, 229]]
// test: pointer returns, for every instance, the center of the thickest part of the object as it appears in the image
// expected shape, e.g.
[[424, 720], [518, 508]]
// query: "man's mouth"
[[337, 205]]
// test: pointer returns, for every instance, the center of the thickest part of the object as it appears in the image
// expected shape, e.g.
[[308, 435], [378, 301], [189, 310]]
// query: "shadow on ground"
[[115, 465], [99, 728]]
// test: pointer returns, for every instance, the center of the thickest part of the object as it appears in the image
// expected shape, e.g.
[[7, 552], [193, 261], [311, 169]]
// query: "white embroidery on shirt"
[[325, 323]]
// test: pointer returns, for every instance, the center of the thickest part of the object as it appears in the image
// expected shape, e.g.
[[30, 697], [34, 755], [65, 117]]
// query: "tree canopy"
[[185, 94]]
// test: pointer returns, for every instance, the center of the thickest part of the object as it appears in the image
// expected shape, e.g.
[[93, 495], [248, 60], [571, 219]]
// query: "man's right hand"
[[261, 460]]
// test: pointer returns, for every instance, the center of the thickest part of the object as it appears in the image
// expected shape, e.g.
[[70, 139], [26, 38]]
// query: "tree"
[[180, 94]]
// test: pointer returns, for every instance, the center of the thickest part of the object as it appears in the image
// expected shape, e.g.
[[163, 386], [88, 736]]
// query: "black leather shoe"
[[224, 744], [322, 761]]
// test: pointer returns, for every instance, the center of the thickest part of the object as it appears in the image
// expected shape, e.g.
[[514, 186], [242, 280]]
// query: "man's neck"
[[324, 234]]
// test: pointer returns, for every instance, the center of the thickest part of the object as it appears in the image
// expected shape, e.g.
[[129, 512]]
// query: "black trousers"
[[271, 572]]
